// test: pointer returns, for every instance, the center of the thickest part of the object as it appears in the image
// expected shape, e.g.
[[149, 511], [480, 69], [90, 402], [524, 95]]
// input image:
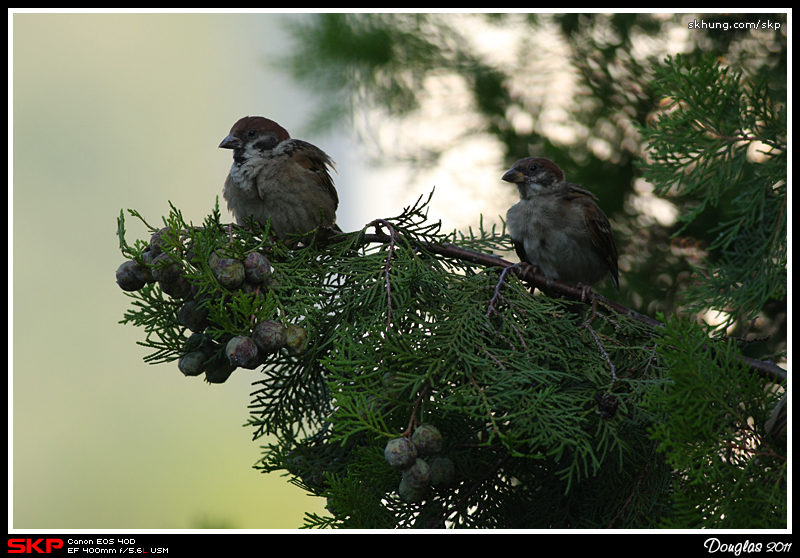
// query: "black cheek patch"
[[266, 144]]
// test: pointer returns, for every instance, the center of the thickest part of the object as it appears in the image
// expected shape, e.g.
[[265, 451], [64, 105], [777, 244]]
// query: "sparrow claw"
[[585, 292], [524, 268]]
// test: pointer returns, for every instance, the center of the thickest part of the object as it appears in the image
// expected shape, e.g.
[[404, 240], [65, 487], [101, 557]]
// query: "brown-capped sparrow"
[[277, 178], [558, 227]]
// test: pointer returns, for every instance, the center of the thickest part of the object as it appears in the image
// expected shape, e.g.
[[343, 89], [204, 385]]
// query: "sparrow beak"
[[231, 142], [513, 176]]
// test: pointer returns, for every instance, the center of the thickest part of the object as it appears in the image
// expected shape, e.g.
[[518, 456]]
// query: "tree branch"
[[767, 369]]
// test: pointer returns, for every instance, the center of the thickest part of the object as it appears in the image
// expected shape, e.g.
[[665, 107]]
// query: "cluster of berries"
[[407, 455], [218, 358]]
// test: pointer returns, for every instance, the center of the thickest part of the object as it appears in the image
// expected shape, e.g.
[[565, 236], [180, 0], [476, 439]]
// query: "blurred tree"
[[574, 88]]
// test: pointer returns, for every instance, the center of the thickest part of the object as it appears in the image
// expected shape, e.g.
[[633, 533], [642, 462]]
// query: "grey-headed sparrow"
[[277, 178], [558, 227]]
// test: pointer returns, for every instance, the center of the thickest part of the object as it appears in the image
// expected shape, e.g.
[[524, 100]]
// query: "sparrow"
[[278, 179], [558, 227]]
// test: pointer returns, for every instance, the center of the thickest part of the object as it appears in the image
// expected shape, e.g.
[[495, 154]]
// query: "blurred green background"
[[126, 111]]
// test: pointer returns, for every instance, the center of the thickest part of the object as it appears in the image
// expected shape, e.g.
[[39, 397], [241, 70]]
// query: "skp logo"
[[29, 546]]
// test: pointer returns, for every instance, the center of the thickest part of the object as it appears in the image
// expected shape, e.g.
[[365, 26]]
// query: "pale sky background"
[[127, 111], [118, 111]]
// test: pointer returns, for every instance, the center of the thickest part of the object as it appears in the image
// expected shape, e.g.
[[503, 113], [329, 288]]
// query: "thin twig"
[[392, 238], [413, 422], [497, 294], [602, 350]]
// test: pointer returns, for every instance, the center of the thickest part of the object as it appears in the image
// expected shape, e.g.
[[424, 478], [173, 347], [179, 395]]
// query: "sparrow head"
[[253, 135], [533, 175]]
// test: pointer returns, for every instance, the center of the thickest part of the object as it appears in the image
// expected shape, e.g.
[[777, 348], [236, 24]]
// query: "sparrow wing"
[[319, 163], [602, 237]]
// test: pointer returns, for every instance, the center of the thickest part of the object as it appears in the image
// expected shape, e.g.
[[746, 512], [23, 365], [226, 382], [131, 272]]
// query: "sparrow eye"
[[533, 168], [251, 133]]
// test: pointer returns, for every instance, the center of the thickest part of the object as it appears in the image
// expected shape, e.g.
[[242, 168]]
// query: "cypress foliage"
[[550, 417]]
